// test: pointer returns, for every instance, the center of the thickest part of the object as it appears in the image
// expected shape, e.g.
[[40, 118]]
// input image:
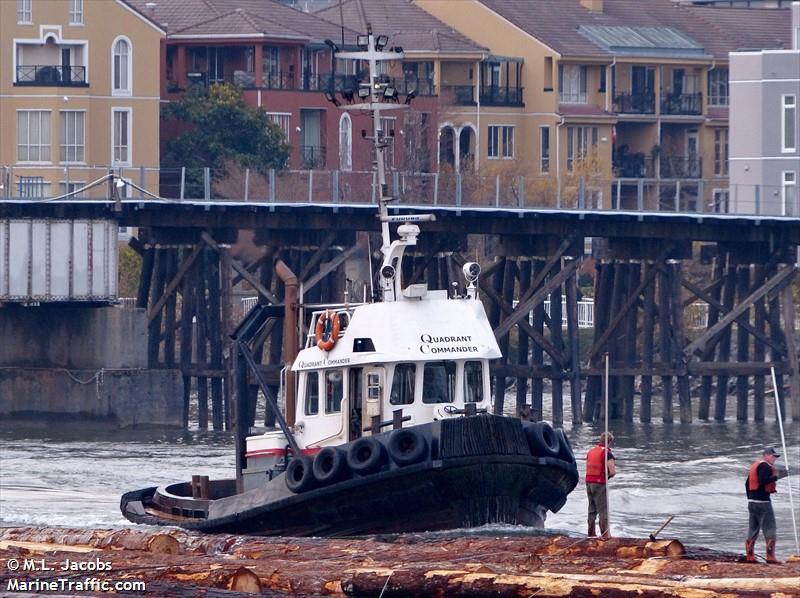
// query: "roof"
[[407, 25], [237, 18], [572, 30]]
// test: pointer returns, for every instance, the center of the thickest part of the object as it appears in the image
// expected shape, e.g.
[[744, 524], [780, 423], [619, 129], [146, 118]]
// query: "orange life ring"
[[327, 330]]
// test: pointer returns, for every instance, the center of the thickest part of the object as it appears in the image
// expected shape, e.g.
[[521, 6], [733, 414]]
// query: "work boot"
[[591, 533], [750, 550], [605, 532], [771, 552]]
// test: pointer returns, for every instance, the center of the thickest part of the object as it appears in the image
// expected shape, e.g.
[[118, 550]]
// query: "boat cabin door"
[[366, 392]]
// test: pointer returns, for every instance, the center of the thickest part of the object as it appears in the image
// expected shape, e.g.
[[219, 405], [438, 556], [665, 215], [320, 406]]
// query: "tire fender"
[[365, 455], [299, 474], [407, 446], [542, 440], [330, 465]]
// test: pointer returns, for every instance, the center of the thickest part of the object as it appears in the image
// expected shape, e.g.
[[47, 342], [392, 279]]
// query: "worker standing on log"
[[600, 467], [760, 483]]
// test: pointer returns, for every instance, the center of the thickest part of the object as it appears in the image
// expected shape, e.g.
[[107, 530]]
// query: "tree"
[[221, 132]]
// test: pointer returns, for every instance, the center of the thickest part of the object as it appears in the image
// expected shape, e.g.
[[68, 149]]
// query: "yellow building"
[[625, 101], [79, 94]]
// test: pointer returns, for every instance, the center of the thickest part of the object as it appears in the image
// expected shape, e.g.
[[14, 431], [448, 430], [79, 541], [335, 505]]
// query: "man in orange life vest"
[[596, 479], [760, 483]]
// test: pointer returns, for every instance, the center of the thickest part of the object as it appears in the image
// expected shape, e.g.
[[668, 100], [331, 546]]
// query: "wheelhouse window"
[[33, 135], [405, 375], [312, 394], [334, 391], [76, 12], [439, 382], [718, 87], [24, 11], [473, 382], [121, 66]]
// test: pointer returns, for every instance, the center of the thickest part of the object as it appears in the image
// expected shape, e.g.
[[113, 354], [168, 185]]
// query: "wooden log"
[[665, 341], [724, 355], [742, 340], [201, 337], [704, 407], [678, 334], [145, 278], [556, 338], [648, 335], [523, 350], [573, 332]]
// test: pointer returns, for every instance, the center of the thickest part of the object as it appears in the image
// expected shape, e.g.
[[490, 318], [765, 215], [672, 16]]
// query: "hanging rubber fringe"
[[487, 434]]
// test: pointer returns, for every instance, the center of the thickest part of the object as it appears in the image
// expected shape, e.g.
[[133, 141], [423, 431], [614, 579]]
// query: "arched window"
[[121, 66], [345, 143]]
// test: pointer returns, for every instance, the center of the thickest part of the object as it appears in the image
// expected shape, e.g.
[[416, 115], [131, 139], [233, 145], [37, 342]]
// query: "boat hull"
[[449, 489]]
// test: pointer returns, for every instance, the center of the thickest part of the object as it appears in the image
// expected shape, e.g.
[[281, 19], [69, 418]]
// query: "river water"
[[71, 474]]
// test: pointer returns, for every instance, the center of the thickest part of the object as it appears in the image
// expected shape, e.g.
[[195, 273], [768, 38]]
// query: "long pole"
[[605, 452], [785, 458]]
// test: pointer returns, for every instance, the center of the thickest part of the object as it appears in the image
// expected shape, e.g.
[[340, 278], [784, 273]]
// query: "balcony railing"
[[681, 167], [634, 166], [635, 103], [312, 157], [682, 103], [47, 75], [464, 95]]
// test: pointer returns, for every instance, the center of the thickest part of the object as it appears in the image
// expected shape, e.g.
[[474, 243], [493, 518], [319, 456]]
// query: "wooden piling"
[[508, 278], [648, 333], [524, 274], [187, 315], [557, 383], [201, 336], [154, 328], [679, 338], [791, 349], [573, 332], [742, 340], [227, 329], [215, 338], [145, 278], [631, 331], [706, 384], [170, 328], [665, 329], [759, 352], [537, 353], [728, 293]]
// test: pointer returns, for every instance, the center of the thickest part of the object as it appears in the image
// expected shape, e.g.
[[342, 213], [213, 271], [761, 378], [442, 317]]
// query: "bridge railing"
[[445, 188]]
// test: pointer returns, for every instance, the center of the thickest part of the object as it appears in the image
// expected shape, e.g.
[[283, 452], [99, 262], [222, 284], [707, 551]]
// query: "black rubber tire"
[[299, 474], [366, 455], [407, 447], [330, 465], [565, 451], [542, 440]]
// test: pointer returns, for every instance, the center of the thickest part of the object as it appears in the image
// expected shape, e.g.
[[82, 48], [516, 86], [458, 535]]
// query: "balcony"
[[678, 167], [633, 165], [312, 157], [682, 104], [464, 95], [38, 75], [635, 103]]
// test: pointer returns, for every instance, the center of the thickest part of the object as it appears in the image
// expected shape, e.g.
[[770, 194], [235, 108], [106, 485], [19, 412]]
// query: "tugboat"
[[392, 429]]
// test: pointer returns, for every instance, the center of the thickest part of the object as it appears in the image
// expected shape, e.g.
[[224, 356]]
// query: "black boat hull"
[[456, 490]]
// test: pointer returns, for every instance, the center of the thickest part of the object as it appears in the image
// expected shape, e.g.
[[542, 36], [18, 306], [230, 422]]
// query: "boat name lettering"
[[427, 338], [428, 350], [320, 363]]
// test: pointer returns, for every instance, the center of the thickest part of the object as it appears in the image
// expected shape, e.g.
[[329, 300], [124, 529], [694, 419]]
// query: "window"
[[312, 394], [578, 148], [387, 126], [788, 124], [548, 73], [216, 65], [121, 66], [601, 87], [718, 87], [789, 193], [76, 12], [405, 375], [544, 148], [334, 390], [719, 200], [572, 83], [281, 120], [33, 135], [473, 382], [345, 142], [501, 142], [32, 187], [721, 152], [24, 11], [71, 187], [121, 136], [72, 136], [439, 382]]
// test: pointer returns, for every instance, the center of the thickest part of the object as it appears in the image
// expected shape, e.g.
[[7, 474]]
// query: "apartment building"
[[765, 128], [78, 95], [626, 101]]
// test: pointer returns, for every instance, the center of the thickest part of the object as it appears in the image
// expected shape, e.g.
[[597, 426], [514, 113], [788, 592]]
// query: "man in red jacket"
[[760, 483], [600, 467]]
